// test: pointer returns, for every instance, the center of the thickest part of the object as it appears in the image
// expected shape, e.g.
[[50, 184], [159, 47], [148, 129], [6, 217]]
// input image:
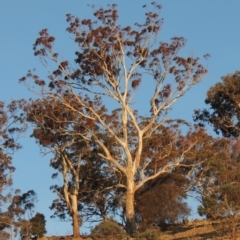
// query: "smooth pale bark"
[[130, 212], [75, 217], [70, 196]]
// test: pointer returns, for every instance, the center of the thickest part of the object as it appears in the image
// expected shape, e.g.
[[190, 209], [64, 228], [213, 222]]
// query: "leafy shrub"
[[38, 225], [151, 233], [108, 230]]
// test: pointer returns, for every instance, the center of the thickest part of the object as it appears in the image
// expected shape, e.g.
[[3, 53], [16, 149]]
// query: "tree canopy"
[[223, 101], [117, 163], [111, 65]]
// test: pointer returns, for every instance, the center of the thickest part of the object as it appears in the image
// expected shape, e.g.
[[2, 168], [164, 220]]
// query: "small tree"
[[38, 223], [21, 211], [111, 65]]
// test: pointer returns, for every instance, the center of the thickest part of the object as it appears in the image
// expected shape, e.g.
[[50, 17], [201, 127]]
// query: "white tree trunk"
[[130, 213]]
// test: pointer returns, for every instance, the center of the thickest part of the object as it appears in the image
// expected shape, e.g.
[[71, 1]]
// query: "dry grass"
[[194, 230], [199, 230]]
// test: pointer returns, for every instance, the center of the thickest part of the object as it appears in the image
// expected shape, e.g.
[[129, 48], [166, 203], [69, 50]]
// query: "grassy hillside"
[[192, 230]]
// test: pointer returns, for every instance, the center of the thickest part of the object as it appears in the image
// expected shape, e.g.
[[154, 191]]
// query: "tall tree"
[[220, 187], [111, 65]]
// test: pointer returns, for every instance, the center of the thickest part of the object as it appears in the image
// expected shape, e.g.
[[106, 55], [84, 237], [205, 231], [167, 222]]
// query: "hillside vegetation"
[[192, 230]]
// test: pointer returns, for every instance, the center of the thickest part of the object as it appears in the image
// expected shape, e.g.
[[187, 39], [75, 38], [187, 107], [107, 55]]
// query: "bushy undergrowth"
[[151, 233], [108, 230]]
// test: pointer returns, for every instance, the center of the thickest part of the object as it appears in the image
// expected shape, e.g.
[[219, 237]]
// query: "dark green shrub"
[[38, 224], [152, 233], [108, 230]]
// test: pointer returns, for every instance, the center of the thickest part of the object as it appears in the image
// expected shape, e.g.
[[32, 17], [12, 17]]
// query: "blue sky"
[[209, 26]]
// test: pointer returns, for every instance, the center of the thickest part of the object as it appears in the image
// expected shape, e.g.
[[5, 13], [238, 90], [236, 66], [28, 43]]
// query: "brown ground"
[[194, 230], [200, 230]]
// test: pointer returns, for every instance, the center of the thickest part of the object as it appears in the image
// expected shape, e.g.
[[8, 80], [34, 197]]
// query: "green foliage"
[[223, 101], [38, 223], [109, 230], [221, 184], [208, 207], [151, 233]]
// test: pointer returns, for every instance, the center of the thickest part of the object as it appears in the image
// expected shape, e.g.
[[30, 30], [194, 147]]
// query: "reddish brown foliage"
[[110, 63]]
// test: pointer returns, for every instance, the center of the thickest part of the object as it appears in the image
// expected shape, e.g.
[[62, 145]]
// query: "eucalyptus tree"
[[220, 186], [21, 211], [84, 178], [59, 131], [113, 67]]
